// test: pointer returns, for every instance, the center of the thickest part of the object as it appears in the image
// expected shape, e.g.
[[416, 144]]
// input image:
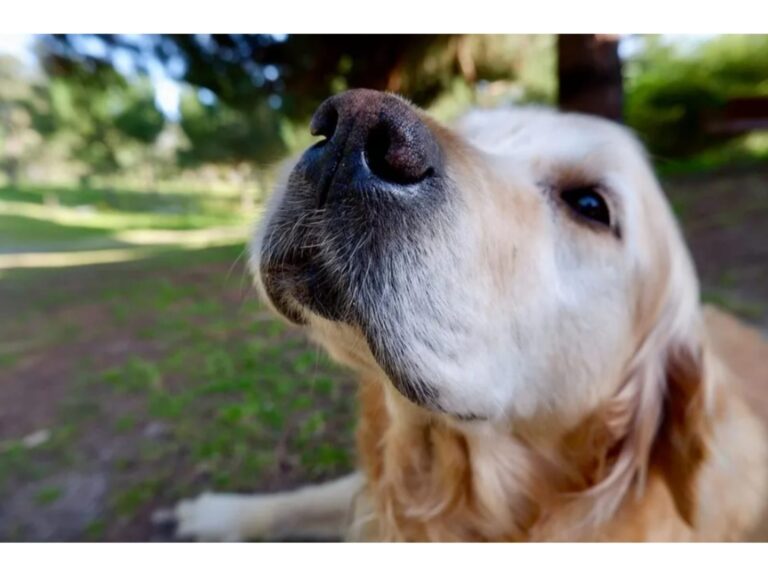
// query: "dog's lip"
[[298, 282], [285, 280], [288, 259], [291, 267]]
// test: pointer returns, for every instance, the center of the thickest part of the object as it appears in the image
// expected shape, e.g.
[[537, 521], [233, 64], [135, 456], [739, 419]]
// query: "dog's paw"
[[217, 518]]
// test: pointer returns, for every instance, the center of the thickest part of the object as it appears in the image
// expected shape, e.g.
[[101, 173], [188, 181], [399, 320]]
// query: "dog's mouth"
[[353, 200], [353, 237], [298, 281], [370, 280]]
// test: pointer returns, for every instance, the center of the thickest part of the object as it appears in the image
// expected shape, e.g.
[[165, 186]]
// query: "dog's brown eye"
[[588, 203]]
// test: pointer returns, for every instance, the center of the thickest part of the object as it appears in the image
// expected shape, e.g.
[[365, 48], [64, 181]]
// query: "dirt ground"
[[152, 382], [125, 387]]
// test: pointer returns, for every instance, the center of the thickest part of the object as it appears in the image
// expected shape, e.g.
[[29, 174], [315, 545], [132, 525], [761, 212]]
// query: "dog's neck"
[[432, 478]]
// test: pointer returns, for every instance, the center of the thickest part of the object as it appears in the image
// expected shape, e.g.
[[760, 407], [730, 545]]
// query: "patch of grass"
[[21, 464], [121, 312], [16, 533], [137, 374], [219, 365], [125, 423], [32, 234], [80, 408], [311, 427], [740, 307], [95, 530], [9, 359], [326, 459], [156, 451], [167, 406], [747, 151], [127, 502], [681, 205], [727, 280], [107, 199], [306, 361], [14, 461], [48, 495], [204, 307], [101, 211]]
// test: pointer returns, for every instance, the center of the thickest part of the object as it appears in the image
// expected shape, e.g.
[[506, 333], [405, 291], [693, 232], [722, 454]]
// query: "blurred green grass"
[[34, 218], [22, 232], [124, 200]]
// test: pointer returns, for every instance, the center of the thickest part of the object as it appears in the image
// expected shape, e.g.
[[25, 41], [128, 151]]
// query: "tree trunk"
[[589, 74]]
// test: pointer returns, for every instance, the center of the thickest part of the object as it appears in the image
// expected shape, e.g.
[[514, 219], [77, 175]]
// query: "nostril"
[[376, 150], [370, 138], [324, 121], [394, 157]]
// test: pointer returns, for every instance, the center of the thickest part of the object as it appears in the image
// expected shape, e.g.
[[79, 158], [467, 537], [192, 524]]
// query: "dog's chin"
[[300, 286]]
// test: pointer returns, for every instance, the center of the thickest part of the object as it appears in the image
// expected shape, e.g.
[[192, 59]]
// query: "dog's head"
[[519, 267]]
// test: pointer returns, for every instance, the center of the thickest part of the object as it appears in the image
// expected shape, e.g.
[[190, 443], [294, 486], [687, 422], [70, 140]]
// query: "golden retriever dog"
[[524, 317]]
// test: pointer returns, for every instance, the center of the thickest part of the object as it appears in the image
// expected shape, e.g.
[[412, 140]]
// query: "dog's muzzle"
[[355, 197]]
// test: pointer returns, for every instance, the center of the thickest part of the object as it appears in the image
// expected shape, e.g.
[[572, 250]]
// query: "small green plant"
[[135, 375], [48, 495]]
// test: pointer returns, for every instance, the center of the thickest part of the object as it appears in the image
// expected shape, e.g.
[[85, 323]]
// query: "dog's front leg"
[[320, 511]]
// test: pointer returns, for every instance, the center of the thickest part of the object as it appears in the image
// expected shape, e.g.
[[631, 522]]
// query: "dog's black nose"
[[369, 135]]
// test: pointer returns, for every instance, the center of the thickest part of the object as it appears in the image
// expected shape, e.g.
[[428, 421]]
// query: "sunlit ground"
[[143, 244], [55, 228]]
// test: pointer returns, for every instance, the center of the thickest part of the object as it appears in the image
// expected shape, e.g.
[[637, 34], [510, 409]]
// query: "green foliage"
[[136, 374], [671, 92], [106, 121], [260, 90], [139, 119], [669, 111], [48, 495], [127, 502], [218, 133], [18, 138]]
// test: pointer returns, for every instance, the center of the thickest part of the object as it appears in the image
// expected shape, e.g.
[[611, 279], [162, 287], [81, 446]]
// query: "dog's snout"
[[399, 152], [370, 135], [324, 120]]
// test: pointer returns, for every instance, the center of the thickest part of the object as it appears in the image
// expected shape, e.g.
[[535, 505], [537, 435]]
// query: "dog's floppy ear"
[[679, 447], [658, 419]]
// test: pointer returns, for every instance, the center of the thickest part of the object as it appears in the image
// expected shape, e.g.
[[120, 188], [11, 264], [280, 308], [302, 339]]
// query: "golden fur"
[[638, 425], [673, 454], [431, 481]]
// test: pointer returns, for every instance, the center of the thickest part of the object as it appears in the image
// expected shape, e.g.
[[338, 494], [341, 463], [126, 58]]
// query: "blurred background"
[[136, 365]]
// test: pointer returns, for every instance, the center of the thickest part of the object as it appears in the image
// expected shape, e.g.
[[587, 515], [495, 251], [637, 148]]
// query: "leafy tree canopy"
[[100, 113], [259, 89]]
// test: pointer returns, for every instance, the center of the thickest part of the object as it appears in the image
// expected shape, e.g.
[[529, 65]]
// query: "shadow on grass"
[[122, 200], [20, 234], [145, 245]]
